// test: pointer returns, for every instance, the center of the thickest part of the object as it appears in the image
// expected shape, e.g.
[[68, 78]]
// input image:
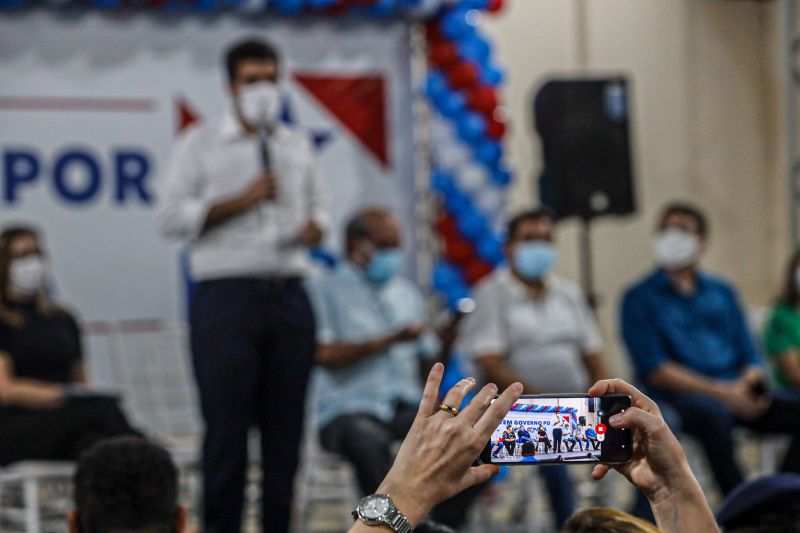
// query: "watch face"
[[375, 507]]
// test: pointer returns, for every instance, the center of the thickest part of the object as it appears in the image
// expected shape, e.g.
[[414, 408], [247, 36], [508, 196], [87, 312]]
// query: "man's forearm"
[[226, 210], [496, 370], [686, 510], [677, 378], [341, 354]]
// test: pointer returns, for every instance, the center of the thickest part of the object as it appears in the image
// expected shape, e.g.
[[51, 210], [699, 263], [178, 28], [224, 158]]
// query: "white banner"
[[90, 106]]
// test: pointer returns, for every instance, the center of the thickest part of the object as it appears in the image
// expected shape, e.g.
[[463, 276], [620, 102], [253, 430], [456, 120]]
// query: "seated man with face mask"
[[371, 345], [532, 326], [689, 341]]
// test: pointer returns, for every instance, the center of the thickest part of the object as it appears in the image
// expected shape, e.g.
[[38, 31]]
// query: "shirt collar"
[[661, 280], [519, 290], [230, 128]]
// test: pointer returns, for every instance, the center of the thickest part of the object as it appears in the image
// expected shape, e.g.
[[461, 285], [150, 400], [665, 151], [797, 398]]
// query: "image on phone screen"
[[560, 429]]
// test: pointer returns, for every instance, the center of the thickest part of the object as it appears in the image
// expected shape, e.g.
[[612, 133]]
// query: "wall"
[[706, 86]]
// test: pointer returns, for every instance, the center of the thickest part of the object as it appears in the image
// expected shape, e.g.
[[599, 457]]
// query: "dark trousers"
[[253, 343], [61, 433], [560, 492], [557, 434], [712, 424], [367, 442], [510, 446]]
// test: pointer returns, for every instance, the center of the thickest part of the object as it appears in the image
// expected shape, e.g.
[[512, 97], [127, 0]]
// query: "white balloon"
[[425, 9], [451, 156], [491, 201], [471, 177]]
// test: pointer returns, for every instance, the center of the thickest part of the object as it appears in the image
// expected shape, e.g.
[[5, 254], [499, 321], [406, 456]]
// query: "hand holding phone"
[[565, 428]]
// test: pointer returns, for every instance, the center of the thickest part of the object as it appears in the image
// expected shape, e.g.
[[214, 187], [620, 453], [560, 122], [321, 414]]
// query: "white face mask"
[[674, 249], [26, 275], [259, 103]]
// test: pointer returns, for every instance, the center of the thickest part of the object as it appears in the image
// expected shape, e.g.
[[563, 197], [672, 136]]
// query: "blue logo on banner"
[[78, 175]]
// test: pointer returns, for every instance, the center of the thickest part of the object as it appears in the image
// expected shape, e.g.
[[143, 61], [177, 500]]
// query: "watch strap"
[[399, 523]]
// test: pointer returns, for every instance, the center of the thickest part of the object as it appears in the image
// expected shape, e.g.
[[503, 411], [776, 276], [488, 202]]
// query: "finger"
[[618, 386], [473, 411], [456, 394], [499, 408], [600, 471], [477, 475], [431, 391], [638, 419]]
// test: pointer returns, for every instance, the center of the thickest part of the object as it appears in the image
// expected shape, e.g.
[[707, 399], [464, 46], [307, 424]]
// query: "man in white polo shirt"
[[243, 193], [534, 327]]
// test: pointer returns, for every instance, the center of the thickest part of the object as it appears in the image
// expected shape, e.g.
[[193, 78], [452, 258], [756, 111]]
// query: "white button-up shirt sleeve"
[[483, 332], [183, 209], [316, 192]]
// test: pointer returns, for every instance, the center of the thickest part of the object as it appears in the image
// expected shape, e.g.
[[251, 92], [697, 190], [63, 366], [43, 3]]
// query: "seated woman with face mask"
[[41, 360]]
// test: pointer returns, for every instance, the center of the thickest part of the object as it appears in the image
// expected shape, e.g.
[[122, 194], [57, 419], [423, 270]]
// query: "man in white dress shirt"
[[536, 328], [244, 194]]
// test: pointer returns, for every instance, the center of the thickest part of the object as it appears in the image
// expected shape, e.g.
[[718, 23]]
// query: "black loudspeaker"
[[590, 403], [581, 420], [583, 126]]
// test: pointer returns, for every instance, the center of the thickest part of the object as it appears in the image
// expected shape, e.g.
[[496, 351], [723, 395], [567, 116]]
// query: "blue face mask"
[[532, 260], [384, 265]]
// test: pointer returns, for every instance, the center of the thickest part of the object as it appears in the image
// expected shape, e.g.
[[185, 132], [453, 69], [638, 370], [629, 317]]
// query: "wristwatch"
[[379, 510]]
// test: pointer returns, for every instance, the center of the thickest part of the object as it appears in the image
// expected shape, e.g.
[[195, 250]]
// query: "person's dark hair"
[[126, 484], [359, 225], [249, 49], [531, 214], [686, 209], [791, 294], [607, 521]]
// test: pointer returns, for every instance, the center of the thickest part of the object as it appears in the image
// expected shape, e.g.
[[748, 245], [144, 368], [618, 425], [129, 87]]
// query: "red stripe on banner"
[[358, 102], [68, 103]]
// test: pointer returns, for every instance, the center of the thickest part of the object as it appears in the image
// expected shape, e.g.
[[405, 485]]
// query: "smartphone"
[[558, 429]]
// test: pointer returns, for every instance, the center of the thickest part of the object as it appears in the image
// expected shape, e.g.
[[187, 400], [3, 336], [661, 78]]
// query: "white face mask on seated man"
[[27, 274], [674, 248]]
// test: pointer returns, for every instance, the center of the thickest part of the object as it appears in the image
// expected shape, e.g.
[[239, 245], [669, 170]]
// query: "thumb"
[[477, 475], [599, 472]]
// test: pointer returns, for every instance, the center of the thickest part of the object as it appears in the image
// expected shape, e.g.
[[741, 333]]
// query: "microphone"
[[263, 146]]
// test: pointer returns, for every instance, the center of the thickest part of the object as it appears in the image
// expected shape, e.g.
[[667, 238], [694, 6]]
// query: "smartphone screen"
[[571, 428]]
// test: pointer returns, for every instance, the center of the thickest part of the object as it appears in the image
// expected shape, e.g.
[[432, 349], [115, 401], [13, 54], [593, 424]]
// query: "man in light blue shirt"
[[371, 343]]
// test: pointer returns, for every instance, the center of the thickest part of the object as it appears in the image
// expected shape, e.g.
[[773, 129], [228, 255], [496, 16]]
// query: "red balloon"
[[432, 32], [443, 54], [458, 250], [496, 129], [476, 270], [447, 226], [483, 99], [495, 5], [462, 74]]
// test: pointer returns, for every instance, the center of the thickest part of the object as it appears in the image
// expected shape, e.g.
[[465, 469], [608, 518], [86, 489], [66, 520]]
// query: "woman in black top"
[[40, 362]]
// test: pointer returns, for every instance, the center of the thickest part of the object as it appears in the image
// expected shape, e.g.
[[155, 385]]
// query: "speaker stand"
[[587, 267]]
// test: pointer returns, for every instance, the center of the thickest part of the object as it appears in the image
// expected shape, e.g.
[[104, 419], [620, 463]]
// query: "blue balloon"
[[321, 4], [472, 225], [475, 4], [471, 126], [443, 183], [451, 104], [491, 75], [491, 250], [488, 152], [475, 48], [457, 203], [204, 5], [289, 7], [502, 177], [436, 85], [455, 24], [382, 8], [106, 4], [445, 276]]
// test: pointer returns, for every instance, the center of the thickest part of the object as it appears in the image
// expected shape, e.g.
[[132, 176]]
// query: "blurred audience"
[[688, 338], [532, 326], [243, 194], [126, 485], [436, 459], [371, 346], [782, 333], [45, 410], [769, 504]]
